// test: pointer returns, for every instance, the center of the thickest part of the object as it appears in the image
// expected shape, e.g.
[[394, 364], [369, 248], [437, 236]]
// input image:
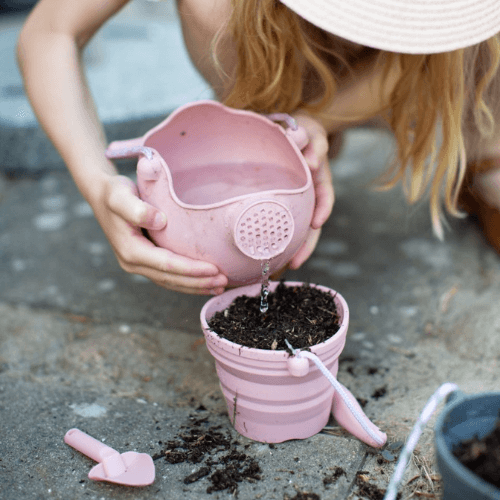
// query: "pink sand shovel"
[[130, 468]]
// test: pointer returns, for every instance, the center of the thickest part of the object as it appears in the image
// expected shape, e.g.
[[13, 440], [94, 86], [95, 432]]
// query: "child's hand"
[[122, 215], [316, 156]]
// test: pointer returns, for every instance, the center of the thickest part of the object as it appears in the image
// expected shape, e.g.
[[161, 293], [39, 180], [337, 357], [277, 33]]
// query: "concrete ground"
[[84, 344]]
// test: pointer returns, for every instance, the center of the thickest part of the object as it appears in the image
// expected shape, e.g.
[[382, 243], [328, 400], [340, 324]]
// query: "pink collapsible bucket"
[[272, 396], [234, 186]]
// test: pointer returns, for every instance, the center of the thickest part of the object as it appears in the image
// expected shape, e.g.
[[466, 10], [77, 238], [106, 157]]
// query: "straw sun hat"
[[406, 26]]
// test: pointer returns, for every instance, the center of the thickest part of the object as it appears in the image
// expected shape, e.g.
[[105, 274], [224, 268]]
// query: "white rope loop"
[[433, 402], [340, 390], [412, 441]]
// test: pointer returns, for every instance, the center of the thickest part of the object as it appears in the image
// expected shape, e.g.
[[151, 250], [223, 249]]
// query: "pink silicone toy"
[[234, 186], [130, 468], [273, 397]]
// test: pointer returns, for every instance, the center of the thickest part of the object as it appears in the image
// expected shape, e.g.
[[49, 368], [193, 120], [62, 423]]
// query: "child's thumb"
[[144, 215], [153, 218], [124, 201]]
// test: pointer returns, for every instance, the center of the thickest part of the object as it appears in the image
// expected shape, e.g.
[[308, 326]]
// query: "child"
[[428, 70]]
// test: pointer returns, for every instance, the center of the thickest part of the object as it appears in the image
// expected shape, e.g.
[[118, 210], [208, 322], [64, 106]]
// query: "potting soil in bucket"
[[273, 392]]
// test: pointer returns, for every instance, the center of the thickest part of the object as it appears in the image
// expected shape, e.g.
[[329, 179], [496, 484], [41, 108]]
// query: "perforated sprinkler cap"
[[264, 230]]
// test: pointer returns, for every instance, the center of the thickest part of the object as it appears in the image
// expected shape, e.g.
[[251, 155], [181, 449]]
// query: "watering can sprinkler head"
[[264, 230]]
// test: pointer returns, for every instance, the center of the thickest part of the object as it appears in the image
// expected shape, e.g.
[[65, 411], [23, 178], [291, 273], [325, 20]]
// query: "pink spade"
[[130, 468]]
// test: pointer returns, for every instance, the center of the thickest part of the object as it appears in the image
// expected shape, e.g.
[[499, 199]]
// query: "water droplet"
[[264, 289]]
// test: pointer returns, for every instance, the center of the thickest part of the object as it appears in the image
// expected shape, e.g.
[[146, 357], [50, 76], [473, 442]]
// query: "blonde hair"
[[440, 105]]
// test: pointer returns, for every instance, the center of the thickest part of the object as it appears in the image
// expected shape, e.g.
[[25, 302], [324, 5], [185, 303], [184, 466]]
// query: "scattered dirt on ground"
[[369, 490], [482, 456], [304, 315], [303, 495], [333, 478], [379, 393], [222, 461]]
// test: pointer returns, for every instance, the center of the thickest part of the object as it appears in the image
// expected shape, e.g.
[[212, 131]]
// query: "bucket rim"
[[266, 354]]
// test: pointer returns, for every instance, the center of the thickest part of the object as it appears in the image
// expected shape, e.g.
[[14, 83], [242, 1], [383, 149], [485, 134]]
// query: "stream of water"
[[264, 288]]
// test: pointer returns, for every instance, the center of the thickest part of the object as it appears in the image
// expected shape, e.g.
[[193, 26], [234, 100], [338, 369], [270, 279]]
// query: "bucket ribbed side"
[[268, 404]]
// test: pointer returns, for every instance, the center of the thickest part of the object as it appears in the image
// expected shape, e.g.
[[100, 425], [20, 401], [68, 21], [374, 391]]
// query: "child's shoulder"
[[205, 10]]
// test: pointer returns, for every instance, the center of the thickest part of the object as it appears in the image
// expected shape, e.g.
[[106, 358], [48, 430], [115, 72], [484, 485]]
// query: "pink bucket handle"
[[345, 408], [293, 131], [130, 148]]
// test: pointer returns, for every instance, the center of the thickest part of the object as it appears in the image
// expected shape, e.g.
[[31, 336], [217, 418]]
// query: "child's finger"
[[124, 201], [316, 151], [306, 249], [185, 284], [325, 196], [319, 144], [140, 253]]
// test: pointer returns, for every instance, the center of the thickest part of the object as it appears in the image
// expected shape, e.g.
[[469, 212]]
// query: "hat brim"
[[405, 26]]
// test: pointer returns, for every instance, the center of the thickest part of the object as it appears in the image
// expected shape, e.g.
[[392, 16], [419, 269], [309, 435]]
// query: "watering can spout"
[[264, 230]]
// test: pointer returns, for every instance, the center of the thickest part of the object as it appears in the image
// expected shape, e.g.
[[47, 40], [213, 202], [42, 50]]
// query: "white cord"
[[340, 390], [128, 152], [410, 445], [283, 117]]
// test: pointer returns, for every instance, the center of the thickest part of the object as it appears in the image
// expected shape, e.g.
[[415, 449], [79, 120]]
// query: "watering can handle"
[[293, 131], [131, 148]]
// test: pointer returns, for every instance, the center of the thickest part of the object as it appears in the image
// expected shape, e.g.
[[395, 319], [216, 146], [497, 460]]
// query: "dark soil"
[[304, 315], [303, 495], [369, 490], [482, 456], [224, 465], [333, 478], [379, 393]]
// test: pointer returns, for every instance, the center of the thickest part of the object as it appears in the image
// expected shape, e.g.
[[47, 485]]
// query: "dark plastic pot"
[[463, 418]]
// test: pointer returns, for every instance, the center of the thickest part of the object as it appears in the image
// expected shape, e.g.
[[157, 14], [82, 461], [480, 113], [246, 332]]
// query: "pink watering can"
[[234, 186]]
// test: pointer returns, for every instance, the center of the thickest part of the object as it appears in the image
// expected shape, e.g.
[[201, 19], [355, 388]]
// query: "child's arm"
[[49, 54]]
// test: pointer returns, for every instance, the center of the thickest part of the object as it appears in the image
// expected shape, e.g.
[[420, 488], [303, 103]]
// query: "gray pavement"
[[138, 71], [84, 344]]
